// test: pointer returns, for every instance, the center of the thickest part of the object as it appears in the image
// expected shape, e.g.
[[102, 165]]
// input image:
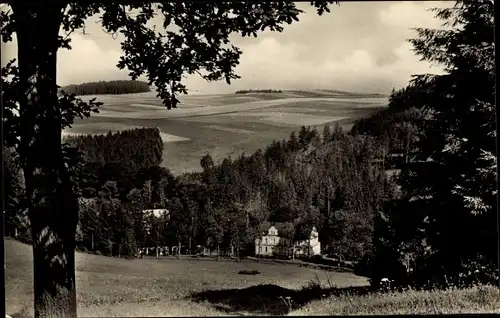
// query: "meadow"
[[226, 124], [165, 286], [206, 287]]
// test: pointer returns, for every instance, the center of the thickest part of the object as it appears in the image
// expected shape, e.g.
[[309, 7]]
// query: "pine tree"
[[449, 183]]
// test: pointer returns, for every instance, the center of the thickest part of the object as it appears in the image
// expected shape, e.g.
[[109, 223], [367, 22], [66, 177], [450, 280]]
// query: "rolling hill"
[[226, 124]]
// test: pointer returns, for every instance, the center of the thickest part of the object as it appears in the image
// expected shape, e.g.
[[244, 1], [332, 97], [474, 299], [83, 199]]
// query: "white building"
[[272, 244], [309, 247], [156, 212]]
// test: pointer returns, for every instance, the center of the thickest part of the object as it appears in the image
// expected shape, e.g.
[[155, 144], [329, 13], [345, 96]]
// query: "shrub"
[[249, 272]]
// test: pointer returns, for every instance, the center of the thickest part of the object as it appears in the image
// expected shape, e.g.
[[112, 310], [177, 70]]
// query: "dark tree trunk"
[[53, 206]]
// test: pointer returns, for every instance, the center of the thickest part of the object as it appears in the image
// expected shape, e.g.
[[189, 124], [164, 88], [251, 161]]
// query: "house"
[[157, 212], [309, 247], [271, 243]]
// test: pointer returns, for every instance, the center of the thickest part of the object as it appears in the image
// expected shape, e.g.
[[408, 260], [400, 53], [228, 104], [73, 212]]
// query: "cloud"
[[356, 47], [87, 62], [411, 14]]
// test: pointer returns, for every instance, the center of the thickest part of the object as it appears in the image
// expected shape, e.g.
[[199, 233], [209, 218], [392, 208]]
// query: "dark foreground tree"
[[446, 220], [200, 45]]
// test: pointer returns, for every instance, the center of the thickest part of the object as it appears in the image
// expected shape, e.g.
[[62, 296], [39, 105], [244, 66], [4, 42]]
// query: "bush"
[[249, 272], [25, 237]]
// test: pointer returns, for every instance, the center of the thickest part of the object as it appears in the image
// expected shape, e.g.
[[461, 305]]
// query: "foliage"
[[128, 157], [15, 215], [107, 87], [445, 219]]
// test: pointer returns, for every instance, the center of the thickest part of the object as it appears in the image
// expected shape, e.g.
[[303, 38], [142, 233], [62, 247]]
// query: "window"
[[265, 248]]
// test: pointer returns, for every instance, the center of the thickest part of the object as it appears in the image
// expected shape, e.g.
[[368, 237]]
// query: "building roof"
[[280, 226]]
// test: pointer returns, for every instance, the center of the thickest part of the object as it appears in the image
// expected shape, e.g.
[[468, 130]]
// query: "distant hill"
[[269, 91], [107, 87], [321, 93]]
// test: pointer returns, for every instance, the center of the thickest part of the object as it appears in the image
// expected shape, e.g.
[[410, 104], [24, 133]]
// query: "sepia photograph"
[[249, 158]]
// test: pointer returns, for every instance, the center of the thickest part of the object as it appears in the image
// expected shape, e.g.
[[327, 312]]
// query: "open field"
[[227, 124], [205, 287], [164, 287]]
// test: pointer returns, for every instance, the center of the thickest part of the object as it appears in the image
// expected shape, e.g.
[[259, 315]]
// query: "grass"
[[205, 287], [159, 287], [226, 124], [485, 299]]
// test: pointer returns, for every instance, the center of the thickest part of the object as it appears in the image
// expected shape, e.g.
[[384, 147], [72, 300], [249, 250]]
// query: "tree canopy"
[[107, 87]]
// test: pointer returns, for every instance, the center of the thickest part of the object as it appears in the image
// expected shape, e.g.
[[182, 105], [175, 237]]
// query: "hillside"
[[225, 124]]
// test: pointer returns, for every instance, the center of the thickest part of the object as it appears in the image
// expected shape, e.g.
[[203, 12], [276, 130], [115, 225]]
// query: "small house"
[[271, 243]]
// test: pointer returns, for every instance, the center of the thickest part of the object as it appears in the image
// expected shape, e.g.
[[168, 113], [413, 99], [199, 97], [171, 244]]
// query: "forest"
[[107, 87], [409, 193], [228, 203]]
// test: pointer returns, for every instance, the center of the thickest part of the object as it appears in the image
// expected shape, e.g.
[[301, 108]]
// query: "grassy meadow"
[[226, 124], [207, 287], [166, 286], [483, 299]]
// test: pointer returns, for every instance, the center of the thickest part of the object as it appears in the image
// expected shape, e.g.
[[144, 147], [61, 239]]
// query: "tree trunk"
[[53, 205]]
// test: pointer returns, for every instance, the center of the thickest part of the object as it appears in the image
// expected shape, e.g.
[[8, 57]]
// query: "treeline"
[[258, 91], [107, 87]]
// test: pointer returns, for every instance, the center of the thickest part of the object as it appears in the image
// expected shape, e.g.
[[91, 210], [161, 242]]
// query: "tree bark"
[[53, 205]]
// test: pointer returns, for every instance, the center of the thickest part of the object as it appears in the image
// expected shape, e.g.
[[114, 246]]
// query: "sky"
[[358, 47]]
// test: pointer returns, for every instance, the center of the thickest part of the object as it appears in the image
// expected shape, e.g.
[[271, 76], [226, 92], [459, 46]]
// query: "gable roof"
[[279, 226]]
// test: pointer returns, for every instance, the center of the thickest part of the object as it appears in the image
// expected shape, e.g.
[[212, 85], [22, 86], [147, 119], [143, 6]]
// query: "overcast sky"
[[357, 47]]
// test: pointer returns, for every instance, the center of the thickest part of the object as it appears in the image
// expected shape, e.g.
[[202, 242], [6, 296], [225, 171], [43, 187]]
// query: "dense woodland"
[[248, 91], [107, 87], [409, 193]]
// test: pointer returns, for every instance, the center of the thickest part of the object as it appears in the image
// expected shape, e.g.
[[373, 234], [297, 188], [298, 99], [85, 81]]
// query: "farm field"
[[227, 124], [166, 287]]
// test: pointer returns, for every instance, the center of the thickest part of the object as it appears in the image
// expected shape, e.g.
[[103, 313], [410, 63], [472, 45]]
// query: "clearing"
[[206, 287], [167, 286]]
